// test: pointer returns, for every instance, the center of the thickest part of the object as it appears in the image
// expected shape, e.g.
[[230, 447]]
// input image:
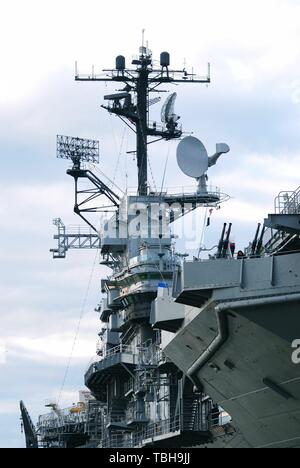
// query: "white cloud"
[[252, 103], [52, 348], [3, 352], [9, 407], [42, 36]]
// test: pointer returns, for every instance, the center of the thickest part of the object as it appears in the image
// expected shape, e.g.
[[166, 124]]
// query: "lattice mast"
[[81, 151]]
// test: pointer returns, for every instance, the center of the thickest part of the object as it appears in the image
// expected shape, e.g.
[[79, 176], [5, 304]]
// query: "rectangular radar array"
[[75, 148]]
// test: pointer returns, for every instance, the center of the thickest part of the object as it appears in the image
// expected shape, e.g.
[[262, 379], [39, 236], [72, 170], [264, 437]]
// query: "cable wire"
[[82, 311], [203, 232], [119, 156]]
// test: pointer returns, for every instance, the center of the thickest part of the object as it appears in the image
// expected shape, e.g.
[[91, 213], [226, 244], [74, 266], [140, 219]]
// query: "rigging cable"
[[82, 311], [126, 164], [119, 155], [203, 231], [152, 176], [114, 135], [165, 170], [96, 169]]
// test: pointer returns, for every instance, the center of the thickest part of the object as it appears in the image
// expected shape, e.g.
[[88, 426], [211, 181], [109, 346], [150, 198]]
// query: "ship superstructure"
[[180, 341], [246, 315], [139, 397]]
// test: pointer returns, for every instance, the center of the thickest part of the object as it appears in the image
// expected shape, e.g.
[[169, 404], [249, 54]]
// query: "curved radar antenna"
[[221, 148], [167, 113], [192, 157], [193, 160]]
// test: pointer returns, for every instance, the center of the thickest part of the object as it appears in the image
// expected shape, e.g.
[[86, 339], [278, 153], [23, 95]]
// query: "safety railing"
[[116, 441], [174, 191], [89, 421], [176, 424], [125, 349], [288, 202], [120, 349], [158, 429], [219, 420], [66, 416]]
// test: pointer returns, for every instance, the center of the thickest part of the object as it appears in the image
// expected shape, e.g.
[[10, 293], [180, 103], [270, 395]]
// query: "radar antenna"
[[167, 112], [168, 115], [81, 151], [131, 103], [77, 149], [193, 160]]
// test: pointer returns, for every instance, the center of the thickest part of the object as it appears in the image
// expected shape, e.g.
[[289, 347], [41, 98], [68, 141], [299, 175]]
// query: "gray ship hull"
[[238, 346]]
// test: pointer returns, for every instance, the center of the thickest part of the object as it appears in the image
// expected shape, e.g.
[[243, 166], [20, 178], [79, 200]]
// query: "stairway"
[[117, 415], [191, 409], [284, 225]]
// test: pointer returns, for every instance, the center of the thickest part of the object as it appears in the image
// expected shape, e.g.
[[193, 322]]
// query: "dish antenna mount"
[[193, 159]]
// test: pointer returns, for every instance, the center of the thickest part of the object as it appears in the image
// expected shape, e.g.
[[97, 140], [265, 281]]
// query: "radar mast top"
[[131, 103]]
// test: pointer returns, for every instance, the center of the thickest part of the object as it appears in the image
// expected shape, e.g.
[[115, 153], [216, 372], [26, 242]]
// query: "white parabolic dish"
[[192, 157]]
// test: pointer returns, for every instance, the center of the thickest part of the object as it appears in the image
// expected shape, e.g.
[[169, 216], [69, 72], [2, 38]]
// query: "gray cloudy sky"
[[253, 104]]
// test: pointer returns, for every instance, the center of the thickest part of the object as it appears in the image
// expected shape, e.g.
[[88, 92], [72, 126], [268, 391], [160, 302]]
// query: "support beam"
[[284, 222], [73, 240]]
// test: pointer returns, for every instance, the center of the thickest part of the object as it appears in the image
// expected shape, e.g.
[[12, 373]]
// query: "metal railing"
[[177, 424], [120, 349], [285, 203], [79, 417], [288, 202], [140, 438], [53, 421], [175, 191], [219, 420], [116, 441], [88, 416], [125, 349], [157, 429]]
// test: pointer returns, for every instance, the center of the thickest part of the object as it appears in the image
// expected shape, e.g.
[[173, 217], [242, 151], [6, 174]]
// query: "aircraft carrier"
[[192, 353]]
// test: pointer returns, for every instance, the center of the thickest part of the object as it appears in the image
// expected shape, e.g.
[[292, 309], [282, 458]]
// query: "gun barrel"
[[226, 242], [220, 246], [260, 242], [254, 244]]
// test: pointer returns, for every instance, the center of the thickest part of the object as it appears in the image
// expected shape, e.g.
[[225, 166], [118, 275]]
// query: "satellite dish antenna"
[[192, 157], [167, 112]]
